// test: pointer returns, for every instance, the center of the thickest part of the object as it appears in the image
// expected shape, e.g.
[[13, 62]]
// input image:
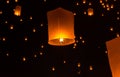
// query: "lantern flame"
[[61, 40]]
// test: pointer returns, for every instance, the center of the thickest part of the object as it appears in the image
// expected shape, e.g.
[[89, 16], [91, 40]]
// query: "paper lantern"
[[60, 27], [90, 11], [17, 10], [113, 47]]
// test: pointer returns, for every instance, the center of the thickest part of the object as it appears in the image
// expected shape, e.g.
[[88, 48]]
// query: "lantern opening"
[[61, 41]]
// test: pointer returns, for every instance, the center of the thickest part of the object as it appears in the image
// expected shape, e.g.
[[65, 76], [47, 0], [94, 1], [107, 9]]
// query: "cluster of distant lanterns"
[[60, 25], [61, 33]]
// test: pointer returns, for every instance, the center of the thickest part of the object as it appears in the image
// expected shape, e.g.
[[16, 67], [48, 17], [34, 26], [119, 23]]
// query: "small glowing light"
[[21, 20], [42, 46], [85, 12], [108, 8], [100, 1], [78, 65], [7, 1], [7, 54], [118, 18], [41, 53], [77, 3], [107, 5], [17, 10], [61, 40], [102, 14], [41, 25], [90, 3], [91, 68], [0, 12], [112, 6], [103, 4], [117, 35], [83, 41], [16, 0], [44, 0], [106, 0], [80, 37], [114, 0], [4, 39], [34, 30], [11, 27], [35, 55], [77, 41], [79, 72], [118, 12], [75, 44], [74, 47], [74, 14], [64, 61], [106, 52], [30, 17], [53, 68], [26, 39], [111, 29], [84, 1], [90, 11], [6, 22], [24, 59]]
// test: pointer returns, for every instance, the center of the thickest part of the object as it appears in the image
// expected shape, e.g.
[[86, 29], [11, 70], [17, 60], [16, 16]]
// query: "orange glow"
[[90, 12], [24, 59], [84, 1], [60, 27], [113, 47], [78, 65], [100, 1], [17, 10]]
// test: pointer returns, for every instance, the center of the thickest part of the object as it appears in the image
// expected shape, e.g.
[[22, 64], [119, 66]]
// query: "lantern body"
[[113, 47], [90, 12], [17, 10], [60, 27]]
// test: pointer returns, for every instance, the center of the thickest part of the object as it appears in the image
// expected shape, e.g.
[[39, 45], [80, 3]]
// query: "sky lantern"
[[17, 10], [90, 11], [113, 47], [60, 27]]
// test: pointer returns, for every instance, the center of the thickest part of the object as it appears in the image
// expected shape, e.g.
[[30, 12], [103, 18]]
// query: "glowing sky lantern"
[[113, 47], [60, 27], [90, 12], [17, 10]]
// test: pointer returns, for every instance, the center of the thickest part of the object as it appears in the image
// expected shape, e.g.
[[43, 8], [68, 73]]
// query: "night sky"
[[24, 48]]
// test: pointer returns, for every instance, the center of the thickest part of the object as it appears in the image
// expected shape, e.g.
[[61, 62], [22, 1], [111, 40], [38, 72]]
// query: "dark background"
[[95, 31]]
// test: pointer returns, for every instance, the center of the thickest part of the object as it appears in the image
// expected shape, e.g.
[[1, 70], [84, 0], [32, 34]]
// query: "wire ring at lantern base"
[[64, 42]]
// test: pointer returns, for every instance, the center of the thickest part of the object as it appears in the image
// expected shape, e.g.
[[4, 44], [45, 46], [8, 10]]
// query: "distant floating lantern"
[[7, 1], [100, 1], [90, 11], [60, 27], [107, 5], [90, 3], [0, 12], [16, 0], [17, 10], [112, 6], [84, 1], [113, 47]]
